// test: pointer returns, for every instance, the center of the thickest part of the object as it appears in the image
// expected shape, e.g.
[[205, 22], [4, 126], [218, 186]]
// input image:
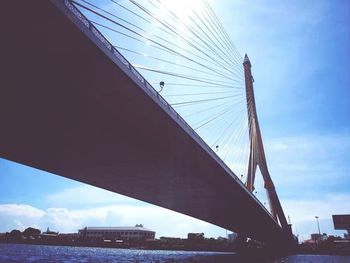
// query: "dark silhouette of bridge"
[[72, 105]]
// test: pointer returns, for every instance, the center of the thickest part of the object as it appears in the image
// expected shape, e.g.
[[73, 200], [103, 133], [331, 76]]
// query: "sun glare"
[[182, 8]]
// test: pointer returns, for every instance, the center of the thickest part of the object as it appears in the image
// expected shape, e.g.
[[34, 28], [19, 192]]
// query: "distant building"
[[171, 240], [49, 233], [232, 236], [117, 233], [316, 237], [69, 235], [195, 236]]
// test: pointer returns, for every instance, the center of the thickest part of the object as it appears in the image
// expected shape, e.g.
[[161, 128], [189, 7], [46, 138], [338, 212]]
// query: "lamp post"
[[318, 225]]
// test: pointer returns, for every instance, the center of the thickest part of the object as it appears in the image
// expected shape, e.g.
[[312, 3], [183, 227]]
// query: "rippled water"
[[35, 253]]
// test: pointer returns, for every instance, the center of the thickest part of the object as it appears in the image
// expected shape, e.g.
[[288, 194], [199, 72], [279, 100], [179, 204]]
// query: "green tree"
[[15, 234], [30, 231]]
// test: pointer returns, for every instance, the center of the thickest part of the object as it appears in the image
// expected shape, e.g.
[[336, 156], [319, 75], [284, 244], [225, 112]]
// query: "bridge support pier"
[[240, 243], [248, 248]]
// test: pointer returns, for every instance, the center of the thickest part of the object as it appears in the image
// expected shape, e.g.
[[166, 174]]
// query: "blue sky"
[[300, 56]]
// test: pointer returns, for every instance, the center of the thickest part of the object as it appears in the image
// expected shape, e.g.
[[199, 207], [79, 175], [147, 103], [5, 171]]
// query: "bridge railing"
[[148, 88]]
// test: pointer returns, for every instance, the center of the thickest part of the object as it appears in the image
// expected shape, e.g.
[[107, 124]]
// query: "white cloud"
[[88, 205], [20, 210], [309, 161], [324, 206], [19, 216], [163, 221], [303, 213]]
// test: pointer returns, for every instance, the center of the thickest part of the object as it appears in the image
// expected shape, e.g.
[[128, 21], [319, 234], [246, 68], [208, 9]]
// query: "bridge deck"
[[69, 107]]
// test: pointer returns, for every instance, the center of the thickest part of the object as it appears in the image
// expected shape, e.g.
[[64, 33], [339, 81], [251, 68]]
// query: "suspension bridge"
[[141, 98]]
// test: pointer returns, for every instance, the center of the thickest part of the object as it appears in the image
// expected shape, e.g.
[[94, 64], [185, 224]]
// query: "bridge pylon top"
[[246, 60]]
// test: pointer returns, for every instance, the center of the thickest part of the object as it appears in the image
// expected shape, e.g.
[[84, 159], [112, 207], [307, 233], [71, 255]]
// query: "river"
[[38, 253]]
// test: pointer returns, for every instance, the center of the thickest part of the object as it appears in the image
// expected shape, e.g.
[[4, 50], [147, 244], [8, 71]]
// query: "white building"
[[117, 233], [232, 236]]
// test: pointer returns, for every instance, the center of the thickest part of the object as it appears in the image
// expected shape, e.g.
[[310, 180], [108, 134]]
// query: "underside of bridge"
[[67, 108]]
